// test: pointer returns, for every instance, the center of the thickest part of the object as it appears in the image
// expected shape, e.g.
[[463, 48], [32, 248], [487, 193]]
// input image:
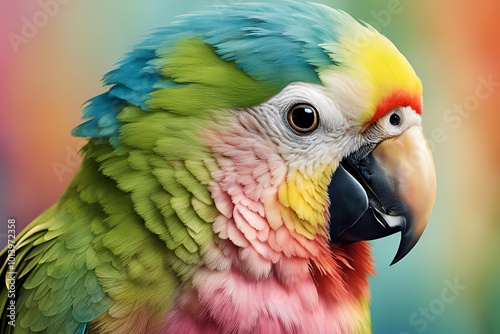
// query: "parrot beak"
[[390, 190]]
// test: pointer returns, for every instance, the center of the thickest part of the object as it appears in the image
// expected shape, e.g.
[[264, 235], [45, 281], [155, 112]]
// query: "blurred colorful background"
[[54, 52]]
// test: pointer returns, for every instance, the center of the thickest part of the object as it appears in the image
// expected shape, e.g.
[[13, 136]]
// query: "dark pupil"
[[303, 117], [395, 119]]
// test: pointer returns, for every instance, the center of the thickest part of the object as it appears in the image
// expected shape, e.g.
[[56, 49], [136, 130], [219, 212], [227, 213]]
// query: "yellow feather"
[[370, 58]]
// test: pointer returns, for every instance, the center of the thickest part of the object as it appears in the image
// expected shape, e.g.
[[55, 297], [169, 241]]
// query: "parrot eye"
[[303, 118], [395, 119]]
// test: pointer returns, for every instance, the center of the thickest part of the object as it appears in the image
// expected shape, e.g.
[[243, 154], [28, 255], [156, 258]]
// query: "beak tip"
[[408, 241], [399, 256], [396, 260]]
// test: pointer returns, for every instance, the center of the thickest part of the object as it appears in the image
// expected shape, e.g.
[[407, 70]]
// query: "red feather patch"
[[398, 98]]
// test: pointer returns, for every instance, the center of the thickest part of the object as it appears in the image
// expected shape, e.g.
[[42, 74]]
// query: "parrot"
[[237, 166]]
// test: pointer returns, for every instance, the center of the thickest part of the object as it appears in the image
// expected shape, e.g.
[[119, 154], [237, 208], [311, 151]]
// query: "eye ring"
[[303, 118], [395, 119]]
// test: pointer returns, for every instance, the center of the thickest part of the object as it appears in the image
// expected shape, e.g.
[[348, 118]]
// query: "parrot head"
[[303, 124]]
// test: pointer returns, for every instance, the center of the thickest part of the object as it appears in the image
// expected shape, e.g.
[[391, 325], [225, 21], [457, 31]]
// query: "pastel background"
[[54, 52]]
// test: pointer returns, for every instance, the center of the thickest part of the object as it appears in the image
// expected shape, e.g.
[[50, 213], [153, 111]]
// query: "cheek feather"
[[248, 172], [264, 208], [306, 198]]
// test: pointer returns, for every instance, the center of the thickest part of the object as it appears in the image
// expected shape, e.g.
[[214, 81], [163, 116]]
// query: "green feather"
[[210, 83]]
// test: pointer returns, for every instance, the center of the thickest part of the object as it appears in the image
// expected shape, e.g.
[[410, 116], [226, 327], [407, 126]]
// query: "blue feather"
[[81, 329]]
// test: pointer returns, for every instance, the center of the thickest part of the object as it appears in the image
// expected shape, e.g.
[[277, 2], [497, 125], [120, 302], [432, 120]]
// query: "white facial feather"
[[338, 134]]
